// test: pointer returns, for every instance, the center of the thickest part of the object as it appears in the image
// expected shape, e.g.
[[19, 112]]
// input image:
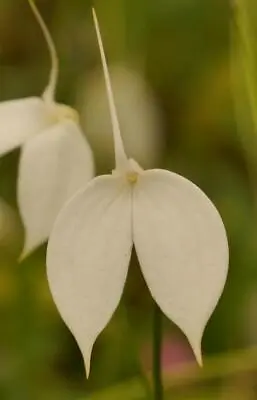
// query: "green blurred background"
[[171, 69]]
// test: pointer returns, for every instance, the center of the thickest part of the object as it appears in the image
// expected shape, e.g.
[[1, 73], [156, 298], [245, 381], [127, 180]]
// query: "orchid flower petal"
[[121, 158], [88, 256], [21, 119], [182, 248], [53, 166]]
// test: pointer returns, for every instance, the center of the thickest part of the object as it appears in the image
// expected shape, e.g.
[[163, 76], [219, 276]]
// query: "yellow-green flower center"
[[132, 176], [65, 112]]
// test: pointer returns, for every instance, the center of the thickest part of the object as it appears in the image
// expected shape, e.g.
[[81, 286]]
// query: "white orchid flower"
[[55, 160], [178, 235]]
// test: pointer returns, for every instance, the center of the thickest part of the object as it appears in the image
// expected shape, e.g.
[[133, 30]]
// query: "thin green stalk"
[[247, 45], [157, 352], [244, 84], [143, 378]]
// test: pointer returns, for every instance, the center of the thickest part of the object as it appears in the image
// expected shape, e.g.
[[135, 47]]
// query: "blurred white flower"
[[139, 117], [178, 234], [56, 159]]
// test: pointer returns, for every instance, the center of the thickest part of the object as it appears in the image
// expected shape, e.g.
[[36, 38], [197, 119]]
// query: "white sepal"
[[49, 93], [20, 120], [182, 248], [88, 255], [121, 158], [54, 165]]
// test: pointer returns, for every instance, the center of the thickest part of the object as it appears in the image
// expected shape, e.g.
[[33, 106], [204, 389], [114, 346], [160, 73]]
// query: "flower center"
[[130, 171], [132, 176], [65, 112], [60, 112]]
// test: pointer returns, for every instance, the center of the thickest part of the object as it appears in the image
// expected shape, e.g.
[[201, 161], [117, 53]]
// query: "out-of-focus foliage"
[[182, 50]]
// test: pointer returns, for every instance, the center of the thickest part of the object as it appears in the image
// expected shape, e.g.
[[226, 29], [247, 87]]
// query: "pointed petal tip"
[[28, 248], [198, 355], [87, 362], [86, 350], [22, 256], [26, 251], [196, 346]]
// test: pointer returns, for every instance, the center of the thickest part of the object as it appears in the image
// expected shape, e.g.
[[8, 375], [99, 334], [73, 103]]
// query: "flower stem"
[[157, 350]]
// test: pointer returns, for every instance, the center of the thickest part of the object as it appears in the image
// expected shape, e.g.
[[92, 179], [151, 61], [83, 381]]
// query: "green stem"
[[157, 350], [245, 43]]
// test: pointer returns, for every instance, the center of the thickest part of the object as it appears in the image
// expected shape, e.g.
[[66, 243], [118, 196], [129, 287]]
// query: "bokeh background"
[[171, 66]]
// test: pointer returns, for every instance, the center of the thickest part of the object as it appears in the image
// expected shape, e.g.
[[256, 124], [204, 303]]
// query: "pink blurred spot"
[[175, 352]]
